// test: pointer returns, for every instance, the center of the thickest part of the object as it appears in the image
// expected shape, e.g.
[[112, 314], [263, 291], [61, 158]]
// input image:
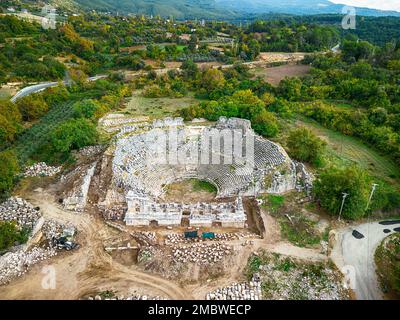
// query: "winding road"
[[355, 251], [42, 86]]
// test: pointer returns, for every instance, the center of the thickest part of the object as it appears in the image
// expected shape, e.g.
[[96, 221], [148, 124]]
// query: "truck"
[[208, 235], [190, 234]]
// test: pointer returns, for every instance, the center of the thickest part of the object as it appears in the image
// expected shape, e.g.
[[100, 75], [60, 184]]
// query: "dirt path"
[[88, 269]]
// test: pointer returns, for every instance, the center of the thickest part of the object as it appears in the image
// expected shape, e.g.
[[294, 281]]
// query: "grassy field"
[[345, 150], [157, 107], [200, 185], [190, 191], [295, 226]]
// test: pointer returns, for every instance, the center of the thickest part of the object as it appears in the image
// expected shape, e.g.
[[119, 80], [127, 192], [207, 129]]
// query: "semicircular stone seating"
[[136, 168]]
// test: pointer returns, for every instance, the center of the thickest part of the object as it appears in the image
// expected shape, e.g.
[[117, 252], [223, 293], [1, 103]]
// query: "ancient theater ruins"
[[228, 154]]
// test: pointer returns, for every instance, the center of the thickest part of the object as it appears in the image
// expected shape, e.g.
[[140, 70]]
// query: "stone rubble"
[[147, 253], [174, 238], [117, 212], [41, 169], [146, 238], [52, 229], [16, 264], [129, 297], [77, 198], [19, 210], [200, 253], [237, 291], [91, 150], [285, 280], [304, 178]]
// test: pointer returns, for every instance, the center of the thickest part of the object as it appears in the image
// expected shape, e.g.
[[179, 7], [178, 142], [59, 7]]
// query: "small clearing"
[[157, 107], [190, 191], [275, 75]]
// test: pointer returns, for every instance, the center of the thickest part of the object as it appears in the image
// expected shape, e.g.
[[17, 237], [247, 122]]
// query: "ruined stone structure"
[[229, 155], [137, 165], [143, 211]]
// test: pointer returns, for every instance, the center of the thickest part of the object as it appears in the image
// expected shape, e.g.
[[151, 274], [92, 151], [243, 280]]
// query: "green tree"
[[378, 116], [332, 182], [8, 170], [212, 79], [8, 234], [304, 145], [265, 123], [253, 49], [32, 107], [11, 235], [193, 43], [86, 109], [190, 69], [73, 134], [290, 88]]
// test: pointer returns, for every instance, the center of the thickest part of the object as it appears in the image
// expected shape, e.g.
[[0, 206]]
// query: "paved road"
[[359, 253], [42, 86]]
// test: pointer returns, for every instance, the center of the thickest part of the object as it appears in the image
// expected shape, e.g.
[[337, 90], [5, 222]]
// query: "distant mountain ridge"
[[179, 9], [211, 9], [299, 7]]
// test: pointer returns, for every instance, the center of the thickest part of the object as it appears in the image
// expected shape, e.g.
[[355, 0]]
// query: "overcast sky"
[[376, 4]]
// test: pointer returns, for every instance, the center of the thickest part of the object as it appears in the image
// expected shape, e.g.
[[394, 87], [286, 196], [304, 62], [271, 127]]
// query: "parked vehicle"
[[64, 243]]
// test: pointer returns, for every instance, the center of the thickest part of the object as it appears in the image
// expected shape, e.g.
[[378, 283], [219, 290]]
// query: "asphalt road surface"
[[358, 253], [42, 86]]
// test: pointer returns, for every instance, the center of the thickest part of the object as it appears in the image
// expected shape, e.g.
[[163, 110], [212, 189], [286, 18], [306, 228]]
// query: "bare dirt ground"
[[275, 75], [271, 57], [88, 269], [10, 89]]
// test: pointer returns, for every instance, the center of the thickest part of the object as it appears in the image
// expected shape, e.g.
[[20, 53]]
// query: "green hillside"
[[180, 9]]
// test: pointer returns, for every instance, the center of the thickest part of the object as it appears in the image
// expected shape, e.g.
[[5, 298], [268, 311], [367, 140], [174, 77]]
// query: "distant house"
[[185, 36], [24, 11], [10, 9]]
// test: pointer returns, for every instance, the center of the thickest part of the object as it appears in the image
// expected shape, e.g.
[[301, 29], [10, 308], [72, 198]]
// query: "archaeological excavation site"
[[167, 210], [205, 155]]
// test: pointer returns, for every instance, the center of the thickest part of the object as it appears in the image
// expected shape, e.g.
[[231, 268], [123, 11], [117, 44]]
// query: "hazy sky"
[[376, 4]]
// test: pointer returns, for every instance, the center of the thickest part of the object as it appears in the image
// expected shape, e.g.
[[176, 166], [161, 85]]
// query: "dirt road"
[[88, 269]]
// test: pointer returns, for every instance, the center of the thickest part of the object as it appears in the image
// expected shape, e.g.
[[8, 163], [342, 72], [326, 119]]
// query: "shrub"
[[86, 109], [304, 145], [73, 134], [32, 107], [8, 170], [330, 185], [265, 123]]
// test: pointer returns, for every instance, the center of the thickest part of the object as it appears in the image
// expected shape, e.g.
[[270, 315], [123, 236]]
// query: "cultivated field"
[[275, 75]]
